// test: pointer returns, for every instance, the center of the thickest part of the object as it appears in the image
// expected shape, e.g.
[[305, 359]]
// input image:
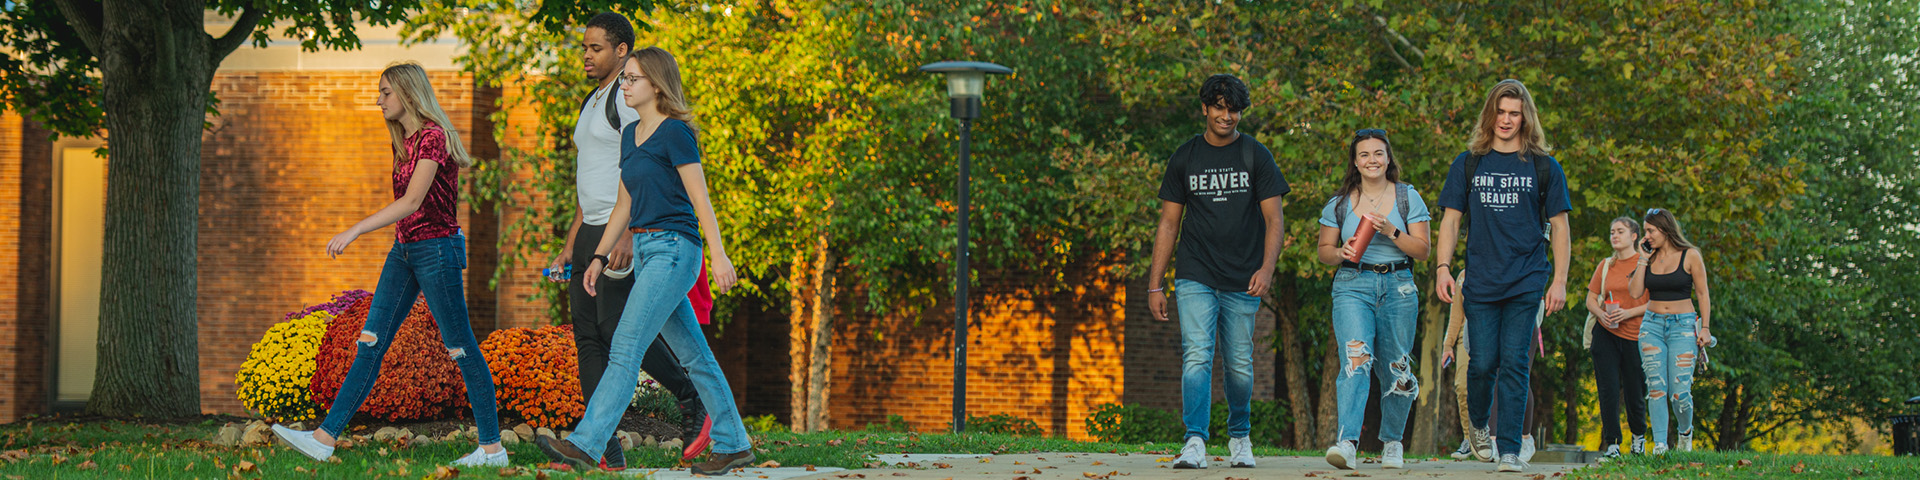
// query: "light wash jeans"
[[1667, 353], [1205, 312], [430, 267], [1374, 316], [665, 265]]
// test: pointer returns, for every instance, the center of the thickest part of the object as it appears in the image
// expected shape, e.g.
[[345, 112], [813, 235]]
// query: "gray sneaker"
[[1639, 445], [1612, 453], [1511, 463], [1482, 444], [1464, 452]]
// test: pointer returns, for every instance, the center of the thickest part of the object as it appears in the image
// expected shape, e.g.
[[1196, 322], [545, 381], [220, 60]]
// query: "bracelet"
[[1445, 265], [1156, 290]]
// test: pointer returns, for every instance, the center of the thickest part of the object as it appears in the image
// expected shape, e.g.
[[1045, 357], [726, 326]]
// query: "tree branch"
[[1382, 22], [85, 16], [243, 26]]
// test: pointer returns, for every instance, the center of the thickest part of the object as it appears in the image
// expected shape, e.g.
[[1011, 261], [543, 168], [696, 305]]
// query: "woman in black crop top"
[[1672, 332]]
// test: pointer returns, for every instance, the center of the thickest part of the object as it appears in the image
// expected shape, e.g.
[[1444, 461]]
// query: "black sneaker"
[[614, 459]]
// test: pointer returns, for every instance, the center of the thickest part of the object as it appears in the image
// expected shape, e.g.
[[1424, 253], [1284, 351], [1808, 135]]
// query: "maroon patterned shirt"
[[435, 218]]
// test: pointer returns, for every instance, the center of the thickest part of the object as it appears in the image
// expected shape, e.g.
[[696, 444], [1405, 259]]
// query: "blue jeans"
[[1205, 312], [1499, 335], [665, 265], [1374, 316], [432, 268], [1667, 354]]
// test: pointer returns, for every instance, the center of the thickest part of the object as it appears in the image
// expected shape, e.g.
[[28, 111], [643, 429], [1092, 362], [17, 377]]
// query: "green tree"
[[141, 71], [1826, 329]]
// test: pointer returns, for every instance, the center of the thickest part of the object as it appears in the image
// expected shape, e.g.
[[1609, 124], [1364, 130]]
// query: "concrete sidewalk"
[[1108, 466]]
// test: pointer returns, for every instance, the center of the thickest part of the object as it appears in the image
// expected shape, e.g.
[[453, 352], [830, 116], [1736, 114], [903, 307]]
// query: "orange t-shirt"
[[1616, 286]]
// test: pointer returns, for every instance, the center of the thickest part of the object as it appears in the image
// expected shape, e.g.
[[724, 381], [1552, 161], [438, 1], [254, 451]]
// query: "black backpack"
[[1539, 172], [613, 114]]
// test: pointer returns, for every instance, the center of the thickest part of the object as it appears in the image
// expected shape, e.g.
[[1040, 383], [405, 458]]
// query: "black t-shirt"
[[1221, 189]]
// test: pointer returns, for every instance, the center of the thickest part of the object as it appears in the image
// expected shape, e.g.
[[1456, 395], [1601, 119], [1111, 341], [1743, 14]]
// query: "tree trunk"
[[1570, 382], [1427, 419], [1298, 398], [820, 360], [1732, 431], [798, 340], [1327, 412], [156, 66]]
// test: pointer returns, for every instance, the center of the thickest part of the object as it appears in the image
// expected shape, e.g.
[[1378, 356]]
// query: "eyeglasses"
[[631, 78], [1369, 132]]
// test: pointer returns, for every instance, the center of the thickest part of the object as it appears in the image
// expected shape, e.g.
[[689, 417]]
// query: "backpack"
[[1539, 172], [613, 114], [1402, 191], [1246, 154]]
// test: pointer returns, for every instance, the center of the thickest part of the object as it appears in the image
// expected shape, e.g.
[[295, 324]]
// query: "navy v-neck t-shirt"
[[653, 183]]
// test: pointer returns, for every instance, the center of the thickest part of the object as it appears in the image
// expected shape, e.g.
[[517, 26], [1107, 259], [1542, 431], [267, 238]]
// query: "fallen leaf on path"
[[851, 475], [811, 469], [899, 474], [770, 464], [942, 465], [1097, 462]]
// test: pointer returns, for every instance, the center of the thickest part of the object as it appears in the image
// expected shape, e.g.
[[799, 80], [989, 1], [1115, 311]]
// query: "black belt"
[[1379, 267]]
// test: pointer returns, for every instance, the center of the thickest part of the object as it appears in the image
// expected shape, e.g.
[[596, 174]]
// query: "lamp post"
[[965, 82]]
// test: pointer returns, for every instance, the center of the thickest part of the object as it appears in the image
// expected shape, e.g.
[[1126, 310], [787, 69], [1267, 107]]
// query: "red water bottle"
[[1362, 236]]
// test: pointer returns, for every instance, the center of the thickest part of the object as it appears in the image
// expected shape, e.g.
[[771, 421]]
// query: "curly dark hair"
[[618, 29], [1225, 89]]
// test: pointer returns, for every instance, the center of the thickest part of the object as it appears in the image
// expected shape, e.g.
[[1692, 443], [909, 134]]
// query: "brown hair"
[[1664, 220], [1631, 224], [1533, 138], [1351, 185], [409, 82], [664, 73]]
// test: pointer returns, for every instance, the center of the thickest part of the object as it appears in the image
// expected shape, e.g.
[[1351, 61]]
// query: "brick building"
[[299, 152]]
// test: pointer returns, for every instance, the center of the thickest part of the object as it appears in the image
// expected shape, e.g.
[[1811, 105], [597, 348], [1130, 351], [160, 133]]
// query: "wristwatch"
[[1396, 234]]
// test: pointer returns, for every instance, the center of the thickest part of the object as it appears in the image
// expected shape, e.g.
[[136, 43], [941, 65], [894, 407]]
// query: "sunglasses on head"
[[1654, 210], [1369, 132]]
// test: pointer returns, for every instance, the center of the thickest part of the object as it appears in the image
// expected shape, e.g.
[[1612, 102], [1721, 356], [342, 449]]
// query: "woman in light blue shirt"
[[1375, 301]]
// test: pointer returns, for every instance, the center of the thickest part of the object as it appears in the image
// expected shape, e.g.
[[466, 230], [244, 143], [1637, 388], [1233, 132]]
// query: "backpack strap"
[[1403, 193], [1473, 167], [613, 114]]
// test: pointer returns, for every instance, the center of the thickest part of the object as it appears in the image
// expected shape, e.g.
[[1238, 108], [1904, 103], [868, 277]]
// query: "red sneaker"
[[699, 443]]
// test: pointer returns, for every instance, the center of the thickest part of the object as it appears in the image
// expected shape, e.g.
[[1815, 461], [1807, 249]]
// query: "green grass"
[[1728, 465], [120, 449]]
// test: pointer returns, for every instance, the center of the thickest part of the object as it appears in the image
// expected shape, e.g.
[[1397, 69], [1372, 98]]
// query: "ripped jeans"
[[1667, 353], [430, 267], [1374, 316]]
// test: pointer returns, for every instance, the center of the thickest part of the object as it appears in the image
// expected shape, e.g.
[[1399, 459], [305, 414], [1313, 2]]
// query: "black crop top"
[[1672, 286]]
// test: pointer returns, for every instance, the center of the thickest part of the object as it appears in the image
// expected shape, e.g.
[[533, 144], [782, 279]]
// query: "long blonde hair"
[[409, 82], [1533, 138], [664, 72]]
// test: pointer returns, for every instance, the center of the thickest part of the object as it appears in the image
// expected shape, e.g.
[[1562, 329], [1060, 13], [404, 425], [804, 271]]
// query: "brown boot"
[[721, 463]]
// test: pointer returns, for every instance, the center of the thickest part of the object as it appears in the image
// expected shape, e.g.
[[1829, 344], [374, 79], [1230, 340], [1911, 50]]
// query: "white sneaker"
[[480, 458], [1612, 453], [1482, 444], [303, 441], [1344, 455], [1685, 443], [1464, 452], [1511, 463], [1240, 452], [1658, 449], [1639, 445], [1193, 455], [1526, 448], [1392, 456]]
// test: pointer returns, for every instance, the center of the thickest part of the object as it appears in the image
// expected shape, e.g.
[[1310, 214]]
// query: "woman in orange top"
[[1615, 334]]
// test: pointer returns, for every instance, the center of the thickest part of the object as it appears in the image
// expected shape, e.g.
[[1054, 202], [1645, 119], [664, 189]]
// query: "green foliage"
[[1001, 423], [654, 401], [894, 424], [1133, 424], [766, 424]]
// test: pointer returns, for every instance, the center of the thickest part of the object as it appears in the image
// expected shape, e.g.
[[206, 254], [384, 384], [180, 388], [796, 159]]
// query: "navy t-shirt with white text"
[[1506, 241], [1222, 231]]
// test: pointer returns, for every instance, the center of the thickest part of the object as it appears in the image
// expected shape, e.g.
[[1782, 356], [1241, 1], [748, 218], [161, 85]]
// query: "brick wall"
[[25, 193]]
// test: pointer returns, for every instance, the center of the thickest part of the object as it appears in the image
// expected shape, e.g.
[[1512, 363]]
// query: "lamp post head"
[[966, 81]]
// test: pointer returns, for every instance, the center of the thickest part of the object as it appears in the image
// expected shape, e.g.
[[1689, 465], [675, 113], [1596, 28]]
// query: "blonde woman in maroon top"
[[426, 259]]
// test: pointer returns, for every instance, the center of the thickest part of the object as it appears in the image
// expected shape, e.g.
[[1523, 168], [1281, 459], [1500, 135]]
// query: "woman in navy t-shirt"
[[663, 202]]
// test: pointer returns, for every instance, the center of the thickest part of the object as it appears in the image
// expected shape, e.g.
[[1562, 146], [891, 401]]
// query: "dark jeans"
[[595, 317], [1616, 369], [432, 268], [1499, 335]]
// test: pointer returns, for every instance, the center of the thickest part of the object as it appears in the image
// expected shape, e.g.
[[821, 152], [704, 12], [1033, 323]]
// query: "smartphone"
[[1646, 246]]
